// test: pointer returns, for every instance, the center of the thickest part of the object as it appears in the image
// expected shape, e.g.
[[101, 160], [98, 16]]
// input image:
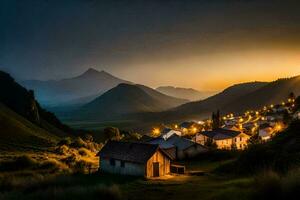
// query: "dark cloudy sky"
[[205, 44]]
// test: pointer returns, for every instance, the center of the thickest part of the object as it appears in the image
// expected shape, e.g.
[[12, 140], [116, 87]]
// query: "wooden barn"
[[136, 159]]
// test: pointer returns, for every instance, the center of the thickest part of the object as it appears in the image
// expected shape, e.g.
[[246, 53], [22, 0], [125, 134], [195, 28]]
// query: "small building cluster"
[[154, 156]]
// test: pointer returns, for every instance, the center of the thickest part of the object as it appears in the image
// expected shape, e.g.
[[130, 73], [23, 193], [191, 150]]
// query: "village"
[[159, 153]]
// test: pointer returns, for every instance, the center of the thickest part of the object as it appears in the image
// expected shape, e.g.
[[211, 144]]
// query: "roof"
[[165, 131], [164, 144], [186, 124], [129, 151], [174, 141], [220, 134], [180, 142], [146, 138]]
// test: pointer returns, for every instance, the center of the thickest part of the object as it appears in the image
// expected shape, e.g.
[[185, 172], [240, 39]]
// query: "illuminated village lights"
[[156, 131]]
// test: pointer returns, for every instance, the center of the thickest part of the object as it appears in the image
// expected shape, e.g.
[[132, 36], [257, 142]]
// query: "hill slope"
[[127, 99], [19, 134], [272, 93], [204, 108], [23, 123], [184, 93], [237, 98], [76, 90]]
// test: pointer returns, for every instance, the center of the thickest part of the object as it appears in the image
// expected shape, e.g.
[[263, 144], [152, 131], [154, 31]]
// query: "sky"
[[204, 44]]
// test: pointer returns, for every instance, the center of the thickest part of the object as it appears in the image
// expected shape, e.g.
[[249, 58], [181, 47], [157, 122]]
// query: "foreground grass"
[[41, 184], [99, 186]]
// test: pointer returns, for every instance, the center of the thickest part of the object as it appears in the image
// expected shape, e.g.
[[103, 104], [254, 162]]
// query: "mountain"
[[184, 93], [237, 98], [126, 99], [204, 108], [76, 90], [272, 93], [22, 120]]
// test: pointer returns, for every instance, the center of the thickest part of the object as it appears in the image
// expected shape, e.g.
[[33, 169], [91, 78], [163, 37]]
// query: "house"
[[179, 147], [223, 138], [167, 132], [265, 133], [296, 115], [187, 127], [136, 159]]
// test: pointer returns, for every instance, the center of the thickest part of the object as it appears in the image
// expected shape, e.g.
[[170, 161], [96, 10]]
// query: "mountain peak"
[[91, 71], [94, 72]]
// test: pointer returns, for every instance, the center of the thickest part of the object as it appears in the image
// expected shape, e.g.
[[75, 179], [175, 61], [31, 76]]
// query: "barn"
[[135, 159]]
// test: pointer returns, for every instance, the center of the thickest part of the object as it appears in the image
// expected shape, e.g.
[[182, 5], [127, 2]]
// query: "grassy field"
[[29, 185]]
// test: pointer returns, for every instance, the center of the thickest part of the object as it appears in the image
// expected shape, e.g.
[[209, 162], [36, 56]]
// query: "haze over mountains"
[[141, 103], [185, 93], [126, 99], [76, 90]]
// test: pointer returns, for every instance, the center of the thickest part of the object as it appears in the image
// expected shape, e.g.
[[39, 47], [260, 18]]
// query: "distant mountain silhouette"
[[76, 90], [22, 116], [126, 99], [204, 108], [184, 93], [237, 98]]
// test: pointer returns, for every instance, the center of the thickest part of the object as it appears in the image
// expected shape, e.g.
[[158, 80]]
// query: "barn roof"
[[129, 151]]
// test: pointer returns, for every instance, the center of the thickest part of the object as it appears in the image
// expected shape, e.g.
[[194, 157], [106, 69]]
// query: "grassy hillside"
[[281, 154], [201, 109], [19, 134], [272, 93], [237, 98]]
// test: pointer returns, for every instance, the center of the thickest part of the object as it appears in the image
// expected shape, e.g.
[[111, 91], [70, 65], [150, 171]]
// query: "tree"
[[216, 120], [112, 133], [292, 96]]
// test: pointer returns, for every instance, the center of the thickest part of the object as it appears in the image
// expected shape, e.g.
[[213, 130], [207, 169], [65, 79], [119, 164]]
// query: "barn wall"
[[164, 164], [133, 169]]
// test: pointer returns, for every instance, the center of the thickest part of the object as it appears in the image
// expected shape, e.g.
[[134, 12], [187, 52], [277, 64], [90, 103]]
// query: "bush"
[[65, 141], [269, 185], [20, 163], [78, 143], [62, 150], [84, 152], [55, 165]]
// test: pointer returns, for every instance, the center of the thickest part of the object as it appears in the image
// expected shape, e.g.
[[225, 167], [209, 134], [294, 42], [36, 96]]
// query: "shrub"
[[78, 143], [55, 165], [84, 152], [62, 150], [65, 141], [268, 186], [20, 163]]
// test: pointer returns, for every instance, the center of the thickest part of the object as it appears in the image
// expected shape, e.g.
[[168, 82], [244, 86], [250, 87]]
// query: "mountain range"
[[237, 98], [76, 90], [185, 93]]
